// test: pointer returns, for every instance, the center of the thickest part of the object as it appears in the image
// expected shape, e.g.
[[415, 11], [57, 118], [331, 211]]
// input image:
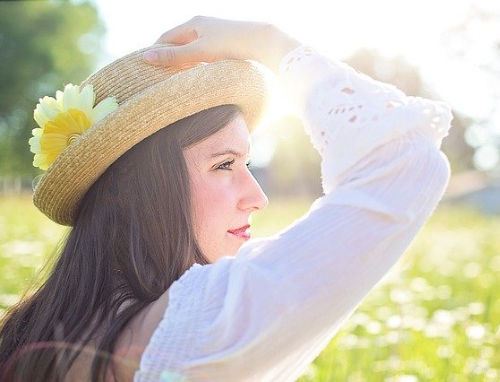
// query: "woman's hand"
[[209, 39]]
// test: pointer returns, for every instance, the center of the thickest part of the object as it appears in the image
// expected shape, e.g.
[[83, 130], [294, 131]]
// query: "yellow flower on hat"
[[62, 120]]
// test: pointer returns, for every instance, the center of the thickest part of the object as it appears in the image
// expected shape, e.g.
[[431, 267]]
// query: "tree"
[[44, 45]]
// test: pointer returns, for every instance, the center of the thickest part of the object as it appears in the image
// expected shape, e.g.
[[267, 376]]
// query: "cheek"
[[212, 202]]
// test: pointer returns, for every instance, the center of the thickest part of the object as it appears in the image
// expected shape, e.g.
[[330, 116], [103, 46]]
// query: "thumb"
[[173, 55]]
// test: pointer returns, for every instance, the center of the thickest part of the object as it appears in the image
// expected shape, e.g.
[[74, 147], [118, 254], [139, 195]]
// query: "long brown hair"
[[132, 238]]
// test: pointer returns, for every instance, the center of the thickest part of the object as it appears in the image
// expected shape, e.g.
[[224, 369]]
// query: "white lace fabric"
[[267, 313], [364, 113]]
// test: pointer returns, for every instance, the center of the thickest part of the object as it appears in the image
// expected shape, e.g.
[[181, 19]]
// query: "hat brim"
[[69, 177]]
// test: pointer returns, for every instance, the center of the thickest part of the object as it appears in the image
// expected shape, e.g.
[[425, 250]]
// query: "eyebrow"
[[227, 151]]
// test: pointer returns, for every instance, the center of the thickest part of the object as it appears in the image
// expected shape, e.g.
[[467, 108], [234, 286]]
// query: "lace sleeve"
[[347, 114]]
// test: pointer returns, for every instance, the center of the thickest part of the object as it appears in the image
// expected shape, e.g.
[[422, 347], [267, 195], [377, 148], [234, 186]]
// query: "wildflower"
[[63, 120]]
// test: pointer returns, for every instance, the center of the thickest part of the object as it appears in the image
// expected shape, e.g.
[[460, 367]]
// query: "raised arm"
[[268, 312]]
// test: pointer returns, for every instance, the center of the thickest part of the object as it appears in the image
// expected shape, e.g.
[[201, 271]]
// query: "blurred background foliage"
[[43, 46]]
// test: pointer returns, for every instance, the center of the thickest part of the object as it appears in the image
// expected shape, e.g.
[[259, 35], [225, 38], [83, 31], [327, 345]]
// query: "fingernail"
[[150, 56]]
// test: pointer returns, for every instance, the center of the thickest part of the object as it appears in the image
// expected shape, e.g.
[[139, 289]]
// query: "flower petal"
[[87, 99], [52, 145], [78, 121], [34, 141], [103, 108], [46, 109], [67, 123], [59, 99], [40, 161], [71, 97], [37, 132]]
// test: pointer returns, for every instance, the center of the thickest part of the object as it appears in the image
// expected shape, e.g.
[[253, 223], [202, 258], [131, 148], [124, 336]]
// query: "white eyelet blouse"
[[268, 312]]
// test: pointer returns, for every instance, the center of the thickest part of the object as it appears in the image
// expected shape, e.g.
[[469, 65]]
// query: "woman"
[[157, 278]]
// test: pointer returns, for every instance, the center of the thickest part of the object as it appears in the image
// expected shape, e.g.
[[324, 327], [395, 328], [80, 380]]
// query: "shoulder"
[[141, 327], [135, 337]]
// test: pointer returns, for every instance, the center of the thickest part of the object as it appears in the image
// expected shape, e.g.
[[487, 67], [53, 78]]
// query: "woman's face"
[[223, 194]]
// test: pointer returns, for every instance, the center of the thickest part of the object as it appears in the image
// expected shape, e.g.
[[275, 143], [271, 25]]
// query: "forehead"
[[234, 136]]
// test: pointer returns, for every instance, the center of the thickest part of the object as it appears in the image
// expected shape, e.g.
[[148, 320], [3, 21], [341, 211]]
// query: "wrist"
[[279, 44]]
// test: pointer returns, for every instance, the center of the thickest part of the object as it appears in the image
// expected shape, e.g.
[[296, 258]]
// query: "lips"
[[242, 232], [239, 230]]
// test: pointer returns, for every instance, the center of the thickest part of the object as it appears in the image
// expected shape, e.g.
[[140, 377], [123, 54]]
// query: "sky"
[[416, 30]]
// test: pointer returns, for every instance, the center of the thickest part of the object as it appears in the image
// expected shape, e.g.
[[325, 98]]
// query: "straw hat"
[[149, 98]]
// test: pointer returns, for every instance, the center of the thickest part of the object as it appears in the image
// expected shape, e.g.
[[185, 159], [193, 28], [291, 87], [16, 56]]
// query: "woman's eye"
[[228, 164]]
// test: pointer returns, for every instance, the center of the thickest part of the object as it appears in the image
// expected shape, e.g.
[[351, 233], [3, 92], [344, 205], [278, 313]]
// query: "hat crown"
[[127, 76]]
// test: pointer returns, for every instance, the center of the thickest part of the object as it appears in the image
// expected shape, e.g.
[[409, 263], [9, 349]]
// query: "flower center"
[[72, 138]]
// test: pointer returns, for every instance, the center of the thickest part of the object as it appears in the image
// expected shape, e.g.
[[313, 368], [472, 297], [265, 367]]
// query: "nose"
[[253, 197]]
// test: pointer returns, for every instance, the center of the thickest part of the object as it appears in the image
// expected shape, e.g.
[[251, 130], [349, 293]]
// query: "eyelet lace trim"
[[347, 114]]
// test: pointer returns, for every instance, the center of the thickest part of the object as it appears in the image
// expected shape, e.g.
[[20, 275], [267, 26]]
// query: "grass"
[[434, 317]]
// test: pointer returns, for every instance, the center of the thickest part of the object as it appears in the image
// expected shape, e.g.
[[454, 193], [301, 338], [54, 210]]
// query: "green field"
[[434, 317]]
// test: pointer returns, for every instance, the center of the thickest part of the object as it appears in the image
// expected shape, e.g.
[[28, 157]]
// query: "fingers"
[[181, 34], [174, 55]]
